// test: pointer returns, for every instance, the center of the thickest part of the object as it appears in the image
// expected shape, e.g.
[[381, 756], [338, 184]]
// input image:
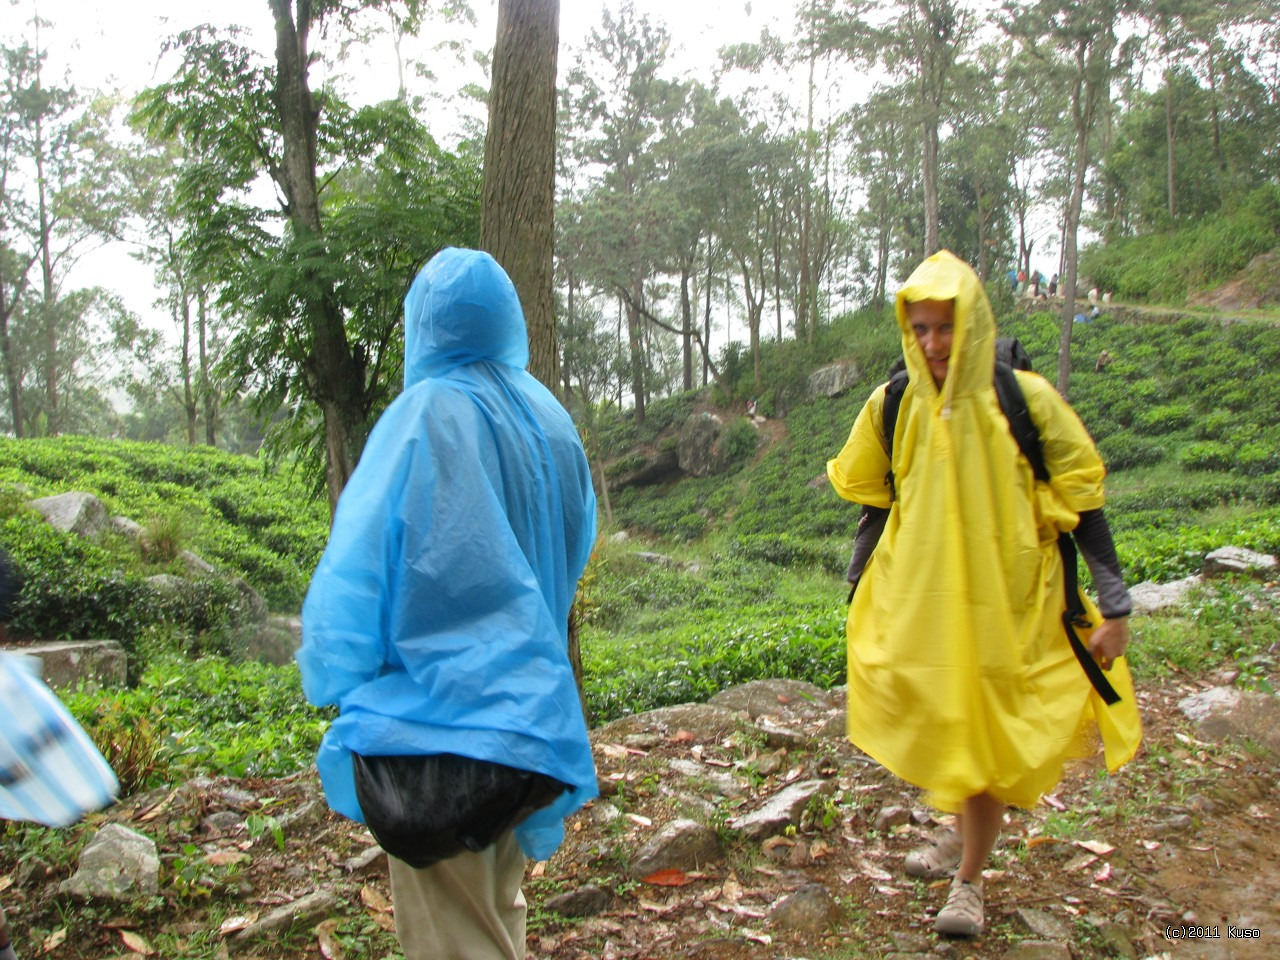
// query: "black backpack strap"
[[1074, 616], [889, 421], [1013, 403]]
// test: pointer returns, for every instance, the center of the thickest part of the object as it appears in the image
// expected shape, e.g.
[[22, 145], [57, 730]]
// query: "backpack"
[[1010, 356]]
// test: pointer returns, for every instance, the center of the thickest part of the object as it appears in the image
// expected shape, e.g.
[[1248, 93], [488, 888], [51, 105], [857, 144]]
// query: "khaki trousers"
[[469, 907]]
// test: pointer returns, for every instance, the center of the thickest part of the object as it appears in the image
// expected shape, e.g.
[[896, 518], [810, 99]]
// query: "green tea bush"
[[739, 439], [713, 655], [1207, 455], [207, 716]]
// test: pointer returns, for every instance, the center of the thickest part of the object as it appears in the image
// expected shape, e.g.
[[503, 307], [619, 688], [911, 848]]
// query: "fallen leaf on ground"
[[1103, 874], [225, 858], [666, 878], [54, 940], [326, 937], [375, 899], [1095, 846], [232, 924], [642, 821], [136, 943]]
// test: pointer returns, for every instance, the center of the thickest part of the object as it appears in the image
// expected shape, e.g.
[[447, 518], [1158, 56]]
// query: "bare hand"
[[1109, 641]]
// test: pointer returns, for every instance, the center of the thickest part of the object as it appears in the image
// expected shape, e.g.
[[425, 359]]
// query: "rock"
[[303, 912], [1227, 560], [275, 641], [717, 781], [167, 585], [117, 864], [809, 911], [659, 559], [1117, 939], [620, 537], [1149, 596], [779, 698], [906, 942], [1176, 825], [586, 901], [1038, 950], [680, 845], [99, 663], [126, 527], [196, 565], [662, 467], [835, 379], [79, 513], [222, 822], [252, 608], [705, 722], [1043, 925], [890, 817], [1229, 713], [781, 811], [699, 451]]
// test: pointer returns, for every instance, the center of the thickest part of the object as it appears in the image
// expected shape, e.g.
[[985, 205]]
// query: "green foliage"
[[1165, 267], [204, 716], [721, 650], [739, 439], [263, 525], [1223, 622]]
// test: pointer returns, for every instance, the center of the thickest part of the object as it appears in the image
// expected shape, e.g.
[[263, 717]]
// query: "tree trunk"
[[336, 378], [686, 323], [636, 351], [189, 405], [518, 199], [1168, 139], [207, 392]]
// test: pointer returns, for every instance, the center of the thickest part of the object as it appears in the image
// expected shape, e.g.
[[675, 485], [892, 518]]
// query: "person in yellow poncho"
[[961, 678]]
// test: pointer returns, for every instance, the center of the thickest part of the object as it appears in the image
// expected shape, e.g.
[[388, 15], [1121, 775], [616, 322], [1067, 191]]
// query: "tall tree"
[[917, 44], [318, 321], [518, 198], [58, 197], [1077, 42]]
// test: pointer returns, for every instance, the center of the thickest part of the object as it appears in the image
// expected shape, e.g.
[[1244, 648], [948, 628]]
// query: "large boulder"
[[98, 663], [80, 513], [700, 452], [833, 380], [646, 471]]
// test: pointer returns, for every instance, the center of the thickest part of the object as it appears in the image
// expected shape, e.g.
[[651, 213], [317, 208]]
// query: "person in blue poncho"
[[437, 618]]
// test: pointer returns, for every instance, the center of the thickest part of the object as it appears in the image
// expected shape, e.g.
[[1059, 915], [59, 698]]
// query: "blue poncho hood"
[[437, 617]]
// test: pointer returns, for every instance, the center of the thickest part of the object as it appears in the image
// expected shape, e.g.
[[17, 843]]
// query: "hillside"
[[701, 588]]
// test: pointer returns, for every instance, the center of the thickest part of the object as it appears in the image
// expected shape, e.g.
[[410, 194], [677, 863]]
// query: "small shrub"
[[739, 439], [1207, 455], [163, 537]]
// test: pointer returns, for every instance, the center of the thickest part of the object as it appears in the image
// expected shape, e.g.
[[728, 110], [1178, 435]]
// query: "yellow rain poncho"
[[961, 677]]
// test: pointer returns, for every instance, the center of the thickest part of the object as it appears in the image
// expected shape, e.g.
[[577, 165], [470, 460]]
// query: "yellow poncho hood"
[[961, 679]]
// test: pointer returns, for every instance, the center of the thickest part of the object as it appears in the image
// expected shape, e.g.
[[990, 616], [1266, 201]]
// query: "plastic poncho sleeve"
[[858, 472]]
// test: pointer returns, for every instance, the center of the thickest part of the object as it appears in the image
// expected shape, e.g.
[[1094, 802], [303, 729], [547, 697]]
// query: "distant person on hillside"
[[438, 617], [1053, 285], [962, 678]]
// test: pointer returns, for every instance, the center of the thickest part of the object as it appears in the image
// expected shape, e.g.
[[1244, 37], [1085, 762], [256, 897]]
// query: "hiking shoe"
[[962, 916], [938, 858]]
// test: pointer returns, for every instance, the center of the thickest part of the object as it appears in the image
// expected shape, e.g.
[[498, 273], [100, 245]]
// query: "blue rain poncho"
[[437, 619]]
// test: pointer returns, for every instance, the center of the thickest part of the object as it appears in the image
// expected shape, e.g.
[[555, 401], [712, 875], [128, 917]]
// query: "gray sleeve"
[[870, 526], [1093, 538]]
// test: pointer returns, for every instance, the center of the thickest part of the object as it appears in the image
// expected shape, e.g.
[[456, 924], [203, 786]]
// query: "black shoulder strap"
[[889, 421], [1013, 403]]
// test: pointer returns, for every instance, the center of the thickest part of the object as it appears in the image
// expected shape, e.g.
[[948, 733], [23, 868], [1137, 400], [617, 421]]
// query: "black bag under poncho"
[[424, 809]]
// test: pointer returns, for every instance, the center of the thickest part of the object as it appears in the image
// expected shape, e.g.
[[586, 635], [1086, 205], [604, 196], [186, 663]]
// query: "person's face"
[[933, 322]]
